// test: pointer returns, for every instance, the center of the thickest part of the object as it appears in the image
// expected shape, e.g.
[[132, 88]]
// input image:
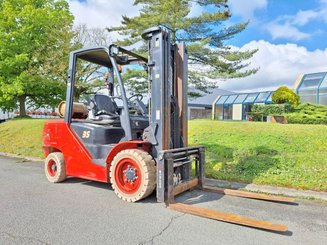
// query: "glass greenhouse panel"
[[323, 91], [228, 112], [231, 99], [247, 109], [269, 100], [262, 97], [222, 99], [240, 98], [308, 92], [324, 83], [309, 99], [251, 98], [323, 100], [219, 112], [312, 80]]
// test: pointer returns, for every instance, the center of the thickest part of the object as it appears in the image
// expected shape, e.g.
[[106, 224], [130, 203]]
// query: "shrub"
[[285, 95], [262, 111], [307, 107], [308, 114]]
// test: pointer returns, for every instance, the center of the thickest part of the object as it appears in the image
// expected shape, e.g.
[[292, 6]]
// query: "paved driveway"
[[34, 211]]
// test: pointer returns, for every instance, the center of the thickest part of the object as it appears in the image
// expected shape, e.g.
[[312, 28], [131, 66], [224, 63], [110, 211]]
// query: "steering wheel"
[[138, 96]]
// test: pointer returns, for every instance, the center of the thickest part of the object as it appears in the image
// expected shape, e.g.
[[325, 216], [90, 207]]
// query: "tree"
[[88, 74], [285, 95], [35, 38], [204, 33], [91, 37]]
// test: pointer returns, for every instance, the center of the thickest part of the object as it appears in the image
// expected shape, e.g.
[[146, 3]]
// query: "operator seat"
[[106, 104], [107, 108]]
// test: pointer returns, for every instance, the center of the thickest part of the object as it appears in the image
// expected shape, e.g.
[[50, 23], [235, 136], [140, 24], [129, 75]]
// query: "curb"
[[34, 159], [269, 189]]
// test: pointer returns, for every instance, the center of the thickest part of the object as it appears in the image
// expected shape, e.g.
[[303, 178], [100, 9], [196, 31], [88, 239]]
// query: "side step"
[[226, 217]]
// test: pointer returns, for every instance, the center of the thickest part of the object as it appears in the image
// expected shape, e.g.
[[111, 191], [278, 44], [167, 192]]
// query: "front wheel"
[[133, 175], [54, 167]]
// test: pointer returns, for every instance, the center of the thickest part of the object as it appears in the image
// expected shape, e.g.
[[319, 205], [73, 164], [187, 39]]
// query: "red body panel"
[[135, 144], [58, 136]]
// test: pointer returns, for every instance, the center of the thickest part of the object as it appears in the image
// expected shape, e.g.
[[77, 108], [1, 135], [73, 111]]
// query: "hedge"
[[302, 114], [262, 111]]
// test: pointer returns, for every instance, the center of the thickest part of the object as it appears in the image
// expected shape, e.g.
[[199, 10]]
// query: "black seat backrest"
[[105, 103]]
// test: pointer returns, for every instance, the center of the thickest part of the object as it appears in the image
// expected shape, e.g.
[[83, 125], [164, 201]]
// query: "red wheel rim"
[[128, 176], [52, 168]]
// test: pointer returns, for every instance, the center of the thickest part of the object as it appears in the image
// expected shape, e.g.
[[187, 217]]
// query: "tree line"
[[36, 37]]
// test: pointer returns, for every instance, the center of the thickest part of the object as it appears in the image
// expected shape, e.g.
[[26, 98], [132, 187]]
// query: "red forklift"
[[136, 148]]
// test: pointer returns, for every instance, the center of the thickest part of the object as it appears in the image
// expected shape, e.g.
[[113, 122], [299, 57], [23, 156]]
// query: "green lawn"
[[22, 137], [249, 152], [262, 153]]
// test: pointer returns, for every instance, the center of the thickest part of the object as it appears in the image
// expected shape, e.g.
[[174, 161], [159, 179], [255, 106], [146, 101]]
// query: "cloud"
[[303, 17], [101, 13], [289, 26], [286, 31], [246, 9], [279, 65], [283, 27]]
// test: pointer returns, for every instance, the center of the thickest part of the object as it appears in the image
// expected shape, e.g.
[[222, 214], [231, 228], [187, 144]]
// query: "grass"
[[22, 137], [261, 153]]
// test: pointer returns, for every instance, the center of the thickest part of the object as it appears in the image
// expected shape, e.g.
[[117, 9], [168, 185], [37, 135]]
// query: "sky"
[[290, 36]]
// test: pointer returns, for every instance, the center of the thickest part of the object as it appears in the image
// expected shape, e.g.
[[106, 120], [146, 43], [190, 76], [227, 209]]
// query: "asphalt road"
[[34, 211]]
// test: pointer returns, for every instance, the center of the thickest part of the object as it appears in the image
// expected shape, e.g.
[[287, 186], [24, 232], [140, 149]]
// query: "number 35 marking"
[[86, 134]]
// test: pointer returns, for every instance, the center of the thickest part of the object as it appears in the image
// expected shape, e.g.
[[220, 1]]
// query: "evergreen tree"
[[204, 33]]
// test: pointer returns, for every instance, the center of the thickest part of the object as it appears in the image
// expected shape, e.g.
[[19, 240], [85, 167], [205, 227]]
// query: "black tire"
[[142, 161], [55, 168]]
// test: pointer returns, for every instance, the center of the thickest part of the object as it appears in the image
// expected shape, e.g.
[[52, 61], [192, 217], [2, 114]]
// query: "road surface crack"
[[151, 239], [23, 237]]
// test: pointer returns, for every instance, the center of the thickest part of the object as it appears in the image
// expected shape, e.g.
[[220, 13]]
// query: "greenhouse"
[[312, 88], [238, 106]]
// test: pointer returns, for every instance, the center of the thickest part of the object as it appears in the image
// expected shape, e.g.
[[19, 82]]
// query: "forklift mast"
[[167, 131], [167, 69]]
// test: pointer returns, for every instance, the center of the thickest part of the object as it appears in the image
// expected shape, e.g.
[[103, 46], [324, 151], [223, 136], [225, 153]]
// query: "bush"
[[262, 111], [285, 95], [21, 117], [308, 114], [302, 118]]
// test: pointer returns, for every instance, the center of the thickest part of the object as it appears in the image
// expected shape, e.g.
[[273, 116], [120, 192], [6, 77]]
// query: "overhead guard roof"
[[100, 56]]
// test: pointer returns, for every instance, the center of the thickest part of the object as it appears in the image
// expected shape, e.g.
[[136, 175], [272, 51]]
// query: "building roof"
[[207, 99], [245, 98]]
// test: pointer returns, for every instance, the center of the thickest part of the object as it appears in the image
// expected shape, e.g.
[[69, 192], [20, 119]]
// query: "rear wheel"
[[133, 175], [55, 168]]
